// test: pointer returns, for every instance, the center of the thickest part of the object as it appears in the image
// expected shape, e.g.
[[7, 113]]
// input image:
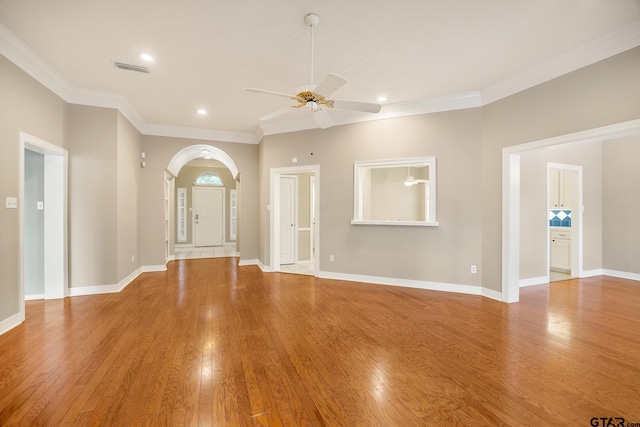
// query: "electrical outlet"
[[133, 258], [330, 258], [11, 203], [474, 269]]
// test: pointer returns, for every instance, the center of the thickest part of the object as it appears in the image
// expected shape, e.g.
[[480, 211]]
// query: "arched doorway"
[[177, 162]]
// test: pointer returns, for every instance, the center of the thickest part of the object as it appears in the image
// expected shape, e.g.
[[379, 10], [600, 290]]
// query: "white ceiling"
[[423, 55]]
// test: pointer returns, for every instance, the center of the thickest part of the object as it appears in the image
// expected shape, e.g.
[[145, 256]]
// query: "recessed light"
[[381, 98], [146, 57], [202, 111]]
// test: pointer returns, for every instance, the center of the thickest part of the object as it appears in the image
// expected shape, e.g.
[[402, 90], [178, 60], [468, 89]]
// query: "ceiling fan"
[[315, 98], [410, 180]]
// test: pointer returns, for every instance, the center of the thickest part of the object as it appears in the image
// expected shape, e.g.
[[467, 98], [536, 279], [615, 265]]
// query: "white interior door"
[[208, 216], [288, 186]]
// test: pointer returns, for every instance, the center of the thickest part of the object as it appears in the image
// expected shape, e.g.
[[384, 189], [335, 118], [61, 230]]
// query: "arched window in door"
[[209, 178]]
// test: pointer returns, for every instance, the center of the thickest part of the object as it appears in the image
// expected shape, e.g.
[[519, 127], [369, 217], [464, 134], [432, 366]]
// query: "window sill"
[[396, 223]]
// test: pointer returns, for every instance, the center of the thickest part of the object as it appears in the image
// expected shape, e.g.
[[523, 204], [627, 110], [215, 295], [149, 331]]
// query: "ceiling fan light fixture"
[[315, 97]]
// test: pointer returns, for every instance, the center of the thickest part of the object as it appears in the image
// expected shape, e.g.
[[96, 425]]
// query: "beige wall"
[[601, 94], [187, 177], [104, 176], [390, 199], [533, 205], [621, 205], [129, 148], [27, 106], [160, 151], [467, 144], [93, 193], [437, 254]]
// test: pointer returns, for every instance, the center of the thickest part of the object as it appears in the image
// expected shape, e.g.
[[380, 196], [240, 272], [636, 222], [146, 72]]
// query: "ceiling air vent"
[[131, 67]]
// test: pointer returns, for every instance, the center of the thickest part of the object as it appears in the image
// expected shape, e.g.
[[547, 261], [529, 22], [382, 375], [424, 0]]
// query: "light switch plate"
[[11, 203], [40, 206]]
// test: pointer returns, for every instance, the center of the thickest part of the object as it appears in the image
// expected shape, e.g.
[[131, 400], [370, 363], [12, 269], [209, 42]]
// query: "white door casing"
[[288, 223], [208, 216], [274, 214], [55, 217], [510, 291]]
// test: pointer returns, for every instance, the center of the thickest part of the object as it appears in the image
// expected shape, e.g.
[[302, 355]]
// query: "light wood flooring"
[[211, 344]]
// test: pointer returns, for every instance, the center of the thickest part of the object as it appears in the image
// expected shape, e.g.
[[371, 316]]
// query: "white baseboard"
[[104, 289], [621, 274], [534, 281], [432, 286], [11, 322], [109, 289], [592, 273], [244, 262], [490, 293], [33, 297], [265, 268], [153, 268]]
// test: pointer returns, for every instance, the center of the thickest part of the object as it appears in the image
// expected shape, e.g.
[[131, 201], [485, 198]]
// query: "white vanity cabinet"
[[561, 250]]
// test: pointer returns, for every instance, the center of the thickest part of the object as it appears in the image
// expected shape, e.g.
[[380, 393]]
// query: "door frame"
[[577, 233], [511, 194], [56, 175], [224, 224], [274, 217]]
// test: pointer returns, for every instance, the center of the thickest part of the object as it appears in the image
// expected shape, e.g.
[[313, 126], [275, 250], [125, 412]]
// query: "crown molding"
[[612, 44], [20, 54], [203, 134], [96, 98]]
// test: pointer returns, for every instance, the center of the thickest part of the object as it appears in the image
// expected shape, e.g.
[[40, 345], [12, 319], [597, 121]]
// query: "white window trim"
[[358, 200]]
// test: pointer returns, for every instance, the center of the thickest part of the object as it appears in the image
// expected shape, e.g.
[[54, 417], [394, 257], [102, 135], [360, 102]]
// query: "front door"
[[288, 219], [208, 216]]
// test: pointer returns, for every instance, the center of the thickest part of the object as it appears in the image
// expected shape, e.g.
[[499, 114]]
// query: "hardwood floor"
[[209, 343]]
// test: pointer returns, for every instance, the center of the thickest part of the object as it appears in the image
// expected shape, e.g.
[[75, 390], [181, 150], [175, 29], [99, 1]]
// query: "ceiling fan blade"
[[322, 118], [268, 92], [357, 106], [330, 84], [275, 114]]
